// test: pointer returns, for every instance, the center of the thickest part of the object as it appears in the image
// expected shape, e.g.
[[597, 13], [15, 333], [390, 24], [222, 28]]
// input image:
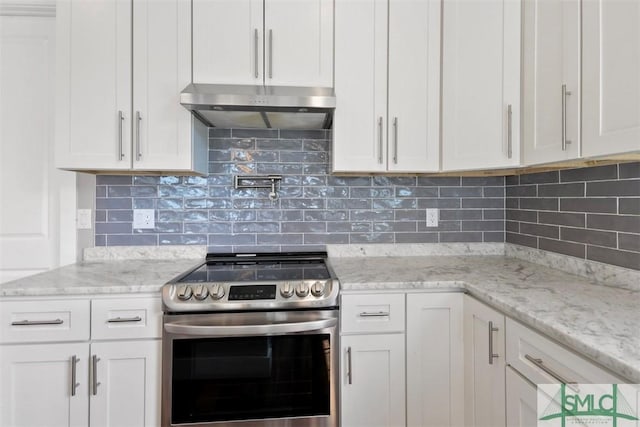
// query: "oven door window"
[[244, 378]]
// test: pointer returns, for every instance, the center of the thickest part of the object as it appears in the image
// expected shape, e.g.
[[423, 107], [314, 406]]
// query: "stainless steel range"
[[251, 340]]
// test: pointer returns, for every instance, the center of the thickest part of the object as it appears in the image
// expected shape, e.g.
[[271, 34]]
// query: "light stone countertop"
[[599, 322], [100, 277]]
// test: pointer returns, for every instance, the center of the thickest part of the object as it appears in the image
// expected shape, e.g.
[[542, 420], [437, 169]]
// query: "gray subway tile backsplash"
[[567, 211], [598, 213]]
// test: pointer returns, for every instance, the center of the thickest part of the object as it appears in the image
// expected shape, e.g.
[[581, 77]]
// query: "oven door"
[[259, 369]]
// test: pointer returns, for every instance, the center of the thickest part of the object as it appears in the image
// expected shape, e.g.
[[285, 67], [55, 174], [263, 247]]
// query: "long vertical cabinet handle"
[[395, 140], [255, 51], [94, 374], [120, 125], [380, 140], [270, 54], [565, 93], [138, 147], [349, 372], [74, 368], [492, 355], [509, 131]]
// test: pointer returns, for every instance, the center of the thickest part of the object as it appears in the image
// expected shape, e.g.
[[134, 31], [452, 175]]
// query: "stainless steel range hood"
[[280, 107]]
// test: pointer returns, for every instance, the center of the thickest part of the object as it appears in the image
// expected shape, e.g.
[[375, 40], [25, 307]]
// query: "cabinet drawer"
[[117, 318], [542, 361], [44, 321], [372, 313]]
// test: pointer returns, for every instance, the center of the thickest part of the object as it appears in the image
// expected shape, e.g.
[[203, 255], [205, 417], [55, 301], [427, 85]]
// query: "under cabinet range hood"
[[246, 106]]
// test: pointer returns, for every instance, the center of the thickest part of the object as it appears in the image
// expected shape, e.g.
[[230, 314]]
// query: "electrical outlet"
[[83, 219], [144, 218], [432, 217]]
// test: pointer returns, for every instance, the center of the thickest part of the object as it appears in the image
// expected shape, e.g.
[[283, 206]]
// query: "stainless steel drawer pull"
[[565, 93], [492, 355], [120, 125], [74, 366], [374, 314], [138, 147], [349, 374], [270, 54], [255, 51], [540, 364], [509, 131], [125, 319], [94, 374], [37, 322], [380, 141], [395, 140]]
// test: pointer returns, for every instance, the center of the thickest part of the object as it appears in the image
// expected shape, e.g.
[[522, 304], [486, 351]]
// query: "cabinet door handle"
[[492, 355], [540, 364], [138, 147], [120, 125], [349, 372], [37, 322], [270, 54], [74, 366], [395, 140], [374, 314], [124, 319], [255, 51], [565, 93], [94, 374], [509, 142], [380, 140]]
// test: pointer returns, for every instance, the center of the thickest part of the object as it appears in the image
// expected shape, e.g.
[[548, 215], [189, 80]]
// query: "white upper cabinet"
[[481, 84], [275, 42], [551, 81], [611, 77], [121, 67], [93, 111], [387, 75]]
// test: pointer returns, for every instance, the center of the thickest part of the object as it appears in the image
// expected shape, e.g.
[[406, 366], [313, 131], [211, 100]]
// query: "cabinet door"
[[360, 127], [93, 125], [125, 384], [161, 70], [484, 375], [36, 386], [298, 38], [228, 41], [414, 86], [610, 70], [522, 401], [372, 380], [435, 374], [551, 79], [481, 84]]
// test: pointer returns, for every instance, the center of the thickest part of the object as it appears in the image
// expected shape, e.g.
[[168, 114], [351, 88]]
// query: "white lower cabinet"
[[435, 380], [521, 401], [484, 367], [38, 387], [125, 383], [373, 380], [374, 344], [75, 381]]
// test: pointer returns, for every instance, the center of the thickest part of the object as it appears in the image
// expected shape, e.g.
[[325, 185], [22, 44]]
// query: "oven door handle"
[[243, 330]]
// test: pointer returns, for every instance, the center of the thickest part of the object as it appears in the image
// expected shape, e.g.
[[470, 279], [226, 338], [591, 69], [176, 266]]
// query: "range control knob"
[[201, 292], [317, 289], [217, 291], [302, 290], [184, 292], [286, 290]]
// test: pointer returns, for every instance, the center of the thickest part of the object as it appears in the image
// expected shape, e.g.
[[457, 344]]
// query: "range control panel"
[[228, 296]]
